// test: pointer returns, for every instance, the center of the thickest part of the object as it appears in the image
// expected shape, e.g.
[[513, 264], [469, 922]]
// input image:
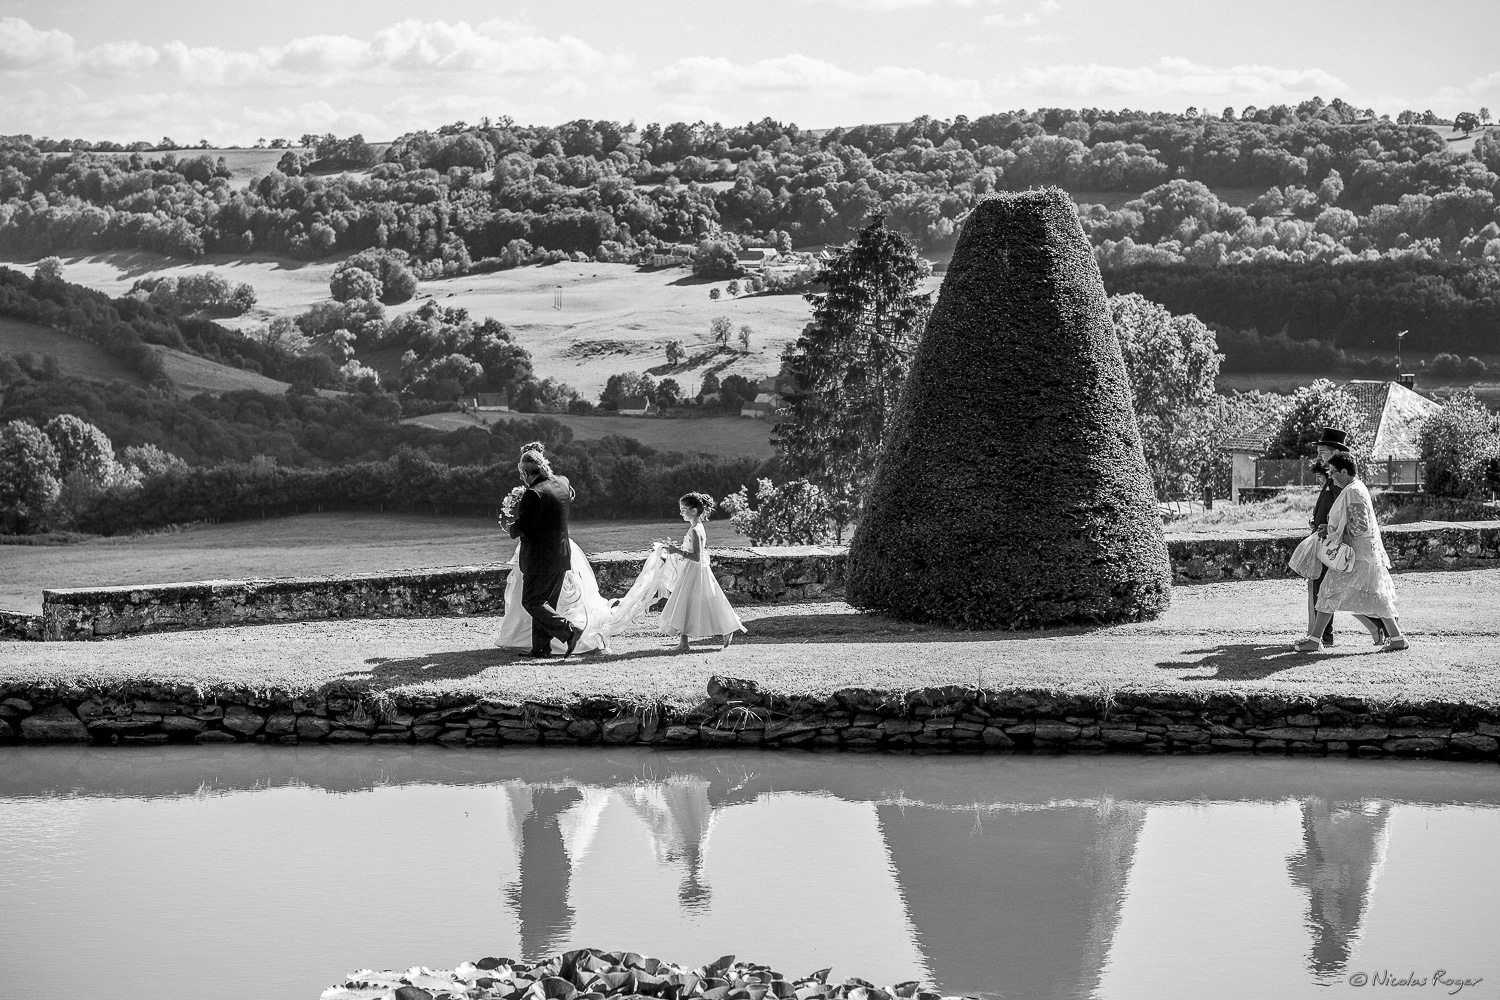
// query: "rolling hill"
[[189, 373]]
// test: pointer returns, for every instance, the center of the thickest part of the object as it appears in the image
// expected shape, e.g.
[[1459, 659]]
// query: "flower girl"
[[697, 606]]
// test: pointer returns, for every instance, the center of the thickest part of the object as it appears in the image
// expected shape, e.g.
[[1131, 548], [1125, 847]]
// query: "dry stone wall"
[[735, 713], [791, 573]]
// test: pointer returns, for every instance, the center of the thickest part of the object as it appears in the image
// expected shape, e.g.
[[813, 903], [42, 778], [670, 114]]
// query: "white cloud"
[[797, 73], [405, 54], [1174, 75], [1026, 19], [894, 4], [23, 47], [120, 58], [1481, 90]]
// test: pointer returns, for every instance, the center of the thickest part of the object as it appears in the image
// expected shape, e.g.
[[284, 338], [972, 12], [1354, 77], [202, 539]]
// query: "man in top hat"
[[1331, 443]]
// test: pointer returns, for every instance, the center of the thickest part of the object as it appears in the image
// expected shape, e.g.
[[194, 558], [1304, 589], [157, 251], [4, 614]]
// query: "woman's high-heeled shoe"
[[1395, 645], [1308, 644]]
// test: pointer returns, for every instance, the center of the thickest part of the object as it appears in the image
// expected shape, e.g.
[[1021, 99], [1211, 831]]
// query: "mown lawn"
[[1215, 638]]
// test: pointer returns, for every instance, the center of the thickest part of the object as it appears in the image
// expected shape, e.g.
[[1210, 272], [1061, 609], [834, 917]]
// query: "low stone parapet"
[[789, 573], [735, 713], [15, 625], [759, 574], [1423, 545]]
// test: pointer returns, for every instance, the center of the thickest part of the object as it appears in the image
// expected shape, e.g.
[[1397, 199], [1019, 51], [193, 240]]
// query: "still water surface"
[[274, 871]]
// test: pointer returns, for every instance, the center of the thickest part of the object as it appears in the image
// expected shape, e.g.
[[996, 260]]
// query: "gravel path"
[[1217, 637]]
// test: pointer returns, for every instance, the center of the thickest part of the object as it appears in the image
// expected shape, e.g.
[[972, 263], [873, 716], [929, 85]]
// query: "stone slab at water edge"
[[759, 575], [593, 973]]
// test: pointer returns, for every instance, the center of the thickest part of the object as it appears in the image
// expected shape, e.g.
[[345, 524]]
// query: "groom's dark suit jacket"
[[542, 525]]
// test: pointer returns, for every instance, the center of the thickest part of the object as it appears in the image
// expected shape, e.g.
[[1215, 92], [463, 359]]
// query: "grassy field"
[[617, 318], [76, 356], [309, 545], [1215, 638], [613, 318], [727, 436]]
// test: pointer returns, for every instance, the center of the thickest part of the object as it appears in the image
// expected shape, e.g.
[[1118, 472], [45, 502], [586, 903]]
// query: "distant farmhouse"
[[671, 256], [756, 257], [486, 402], [638, 406], [767, 399], [1393, 413]]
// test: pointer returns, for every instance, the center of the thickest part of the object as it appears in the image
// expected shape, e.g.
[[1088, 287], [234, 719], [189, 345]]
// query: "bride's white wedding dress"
[[582, 604]]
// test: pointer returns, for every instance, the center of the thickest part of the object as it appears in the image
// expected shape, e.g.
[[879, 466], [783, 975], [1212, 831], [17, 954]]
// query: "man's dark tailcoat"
[[541, 523]]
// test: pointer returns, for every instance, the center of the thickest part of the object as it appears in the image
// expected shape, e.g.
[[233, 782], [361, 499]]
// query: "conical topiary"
[[1012, 491]]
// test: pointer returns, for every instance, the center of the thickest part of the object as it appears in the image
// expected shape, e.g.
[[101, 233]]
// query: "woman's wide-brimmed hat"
[[1334, 439]]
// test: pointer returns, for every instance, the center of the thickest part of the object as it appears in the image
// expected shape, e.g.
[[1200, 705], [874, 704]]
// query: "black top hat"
[[1332, 439]]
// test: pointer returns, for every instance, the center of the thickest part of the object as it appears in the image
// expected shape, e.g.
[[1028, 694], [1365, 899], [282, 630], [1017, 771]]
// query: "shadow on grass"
[[446, 665], [457, 664], [855, 627], [1247, 661]]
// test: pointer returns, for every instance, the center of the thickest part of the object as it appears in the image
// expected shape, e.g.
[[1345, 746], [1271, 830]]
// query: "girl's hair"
[[701, 502], [535, 446], [536, 462], [1319, 469], [1344, 462]]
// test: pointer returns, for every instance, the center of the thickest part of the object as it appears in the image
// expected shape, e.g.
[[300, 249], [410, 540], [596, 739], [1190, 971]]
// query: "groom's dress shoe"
[[574, 635]]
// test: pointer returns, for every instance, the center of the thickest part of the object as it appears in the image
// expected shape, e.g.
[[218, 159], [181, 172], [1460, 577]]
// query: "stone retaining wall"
[[736, 713], [1423, 545], [791, 572], [747, 575]]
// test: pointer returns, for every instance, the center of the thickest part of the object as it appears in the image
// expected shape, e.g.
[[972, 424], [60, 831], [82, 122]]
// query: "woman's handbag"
[[1305, 561], [1336, 556]]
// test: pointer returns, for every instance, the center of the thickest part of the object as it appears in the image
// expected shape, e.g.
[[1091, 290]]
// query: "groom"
[[1331, 443], [541, 523]]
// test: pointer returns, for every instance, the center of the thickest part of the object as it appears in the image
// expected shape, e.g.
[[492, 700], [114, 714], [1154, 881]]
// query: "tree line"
[[465, 195], [249, 454]]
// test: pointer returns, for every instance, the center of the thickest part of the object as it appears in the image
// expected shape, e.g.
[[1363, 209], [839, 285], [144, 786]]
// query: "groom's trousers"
[[539, 593]]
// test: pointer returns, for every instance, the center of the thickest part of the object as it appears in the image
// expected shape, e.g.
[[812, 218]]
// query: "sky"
[[234, 73]]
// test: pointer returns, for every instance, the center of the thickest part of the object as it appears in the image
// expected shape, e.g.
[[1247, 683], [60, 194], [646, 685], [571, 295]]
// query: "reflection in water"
[[1342, 847], [678, 814], [1044, 878], [1048, 881], [540, 894]]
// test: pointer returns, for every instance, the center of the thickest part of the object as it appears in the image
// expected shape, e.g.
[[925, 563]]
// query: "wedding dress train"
[[582, 604]]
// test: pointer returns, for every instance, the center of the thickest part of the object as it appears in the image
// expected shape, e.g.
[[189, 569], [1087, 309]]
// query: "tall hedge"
[[1012, 491]]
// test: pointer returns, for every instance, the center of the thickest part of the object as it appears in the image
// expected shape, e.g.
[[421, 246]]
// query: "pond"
[[274, 872]]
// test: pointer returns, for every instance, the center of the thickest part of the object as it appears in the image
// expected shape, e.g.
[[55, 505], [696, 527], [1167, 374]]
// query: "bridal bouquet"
[[508, 505]]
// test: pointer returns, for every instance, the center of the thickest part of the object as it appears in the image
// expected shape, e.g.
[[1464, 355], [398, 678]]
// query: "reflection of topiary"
[[1012, 491]]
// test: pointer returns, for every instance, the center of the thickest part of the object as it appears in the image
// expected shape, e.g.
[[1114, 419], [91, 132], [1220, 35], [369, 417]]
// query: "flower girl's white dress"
[[697, 607]]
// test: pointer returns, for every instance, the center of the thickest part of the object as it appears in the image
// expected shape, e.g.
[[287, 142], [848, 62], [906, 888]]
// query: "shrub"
[[390, 269], [1012, 491], [1461, 445], [715, 259], [1314, 408], [29, 481], [353, 284], [794, 513]]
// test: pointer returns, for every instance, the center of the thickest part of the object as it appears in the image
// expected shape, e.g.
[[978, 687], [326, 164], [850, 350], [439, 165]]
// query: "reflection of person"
[[1365, 589], [697, 607], [541, 523], [1331, 443]]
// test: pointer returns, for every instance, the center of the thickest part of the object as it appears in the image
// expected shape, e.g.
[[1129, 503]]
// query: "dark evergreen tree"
[[1012, 491], [850, 363]]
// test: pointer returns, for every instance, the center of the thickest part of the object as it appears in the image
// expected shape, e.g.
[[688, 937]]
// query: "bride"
[[580, 602]]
